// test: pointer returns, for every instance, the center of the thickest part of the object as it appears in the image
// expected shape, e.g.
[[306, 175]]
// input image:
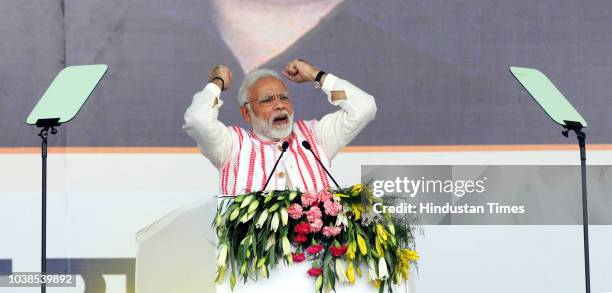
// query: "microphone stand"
[[285, 146], [306, 145]]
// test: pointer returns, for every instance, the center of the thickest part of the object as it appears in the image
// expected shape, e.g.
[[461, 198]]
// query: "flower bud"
[[284, 216], [274, 222], [247, 200], [262, 219]]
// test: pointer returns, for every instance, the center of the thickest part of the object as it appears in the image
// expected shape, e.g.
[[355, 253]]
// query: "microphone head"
[[285, 146], [306, 144]]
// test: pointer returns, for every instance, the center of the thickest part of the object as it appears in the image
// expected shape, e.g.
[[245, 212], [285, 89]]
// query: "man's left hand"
[[299, 70]]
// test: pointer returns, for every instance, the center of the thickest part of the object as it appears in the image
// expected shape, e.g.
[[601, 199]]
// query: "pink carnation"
[[332, 208], [329, 231], [316, 225], [313, 213], [295, 211], [324, 195], [309, 199]]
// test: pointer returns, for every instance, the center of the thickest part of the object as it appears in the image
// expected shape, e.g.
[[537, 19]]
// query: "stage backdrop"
[[438, 70]]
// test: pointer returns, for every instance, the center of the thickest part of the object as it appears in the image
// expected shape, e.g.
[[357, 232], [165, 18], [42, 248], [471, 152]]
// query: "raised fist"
[[299, 70], [220, 71]]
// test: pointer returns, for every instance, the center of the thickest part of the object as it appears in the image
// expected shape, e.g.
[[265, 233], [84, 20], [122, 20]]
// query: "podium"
[[177, 253]]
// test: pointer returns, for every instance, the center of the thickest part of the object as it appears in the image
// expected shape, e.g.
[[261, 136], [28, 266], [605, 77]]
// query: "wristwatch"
[[317, 81], [222, 82]]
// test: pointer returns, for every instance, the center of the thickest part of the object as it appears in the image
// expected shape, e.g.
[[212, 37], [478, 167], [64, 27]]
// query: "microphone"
[[285, 146], [306, 145]]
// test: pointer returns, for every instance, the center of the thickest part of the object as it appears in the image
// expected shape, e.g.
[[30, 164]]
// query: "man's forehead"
[[269, 85]]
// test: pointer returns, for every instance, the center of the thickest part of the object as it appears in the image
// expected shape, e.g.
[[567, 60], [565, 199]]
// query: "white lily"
[[263, 271], [284, 216], [246, 201], [262, 219], [341, 271], [292, 195], [253, 206], [274, 222], [372, 270], [246, 241], [250, 215], [286, 246], [271, 241], [341, 220], [234, 214], [382, 269], [319, 282], [222, 255], [244, 218]]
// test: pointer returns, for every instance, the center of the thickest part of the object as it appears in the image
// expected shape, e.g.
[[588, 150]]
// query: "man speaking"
[[245, 158]]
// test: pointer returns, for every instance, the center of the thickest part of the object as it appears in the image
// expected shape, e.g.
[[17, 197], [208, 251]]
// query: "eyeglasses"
[[268, 101]]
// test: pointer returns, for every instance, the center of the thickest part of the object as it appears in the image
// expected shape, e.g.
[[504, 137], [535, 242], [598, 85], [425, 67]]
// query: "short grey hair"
[[250, 79]]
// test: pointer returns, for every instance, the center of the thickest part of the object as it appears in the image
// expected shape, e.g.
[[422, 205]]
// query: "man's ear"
[[244, 111]]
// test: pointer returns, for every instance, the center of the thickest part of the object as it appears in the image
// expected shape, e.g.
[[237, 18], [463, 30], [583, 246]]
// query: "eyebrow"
[[272, 94]]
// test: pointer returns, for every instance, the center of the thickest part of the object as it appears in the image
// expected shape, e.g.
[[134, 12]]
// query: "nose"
[[279, 105]]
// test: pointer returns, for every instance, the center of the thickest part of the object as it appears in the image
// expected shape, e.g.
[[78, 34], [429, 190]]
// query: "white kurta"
[[244, 160]]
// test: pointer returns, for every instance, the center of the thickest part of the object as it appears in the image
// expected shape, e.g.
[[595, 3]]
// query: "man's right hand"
[[220, 71]]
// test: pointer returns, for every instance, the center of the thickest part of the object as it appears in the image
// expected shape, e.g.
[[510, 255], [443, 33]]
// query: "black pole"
[[46, 125], [577, 128], [44, 133], [306, 145], [585, 210], [285, 145]]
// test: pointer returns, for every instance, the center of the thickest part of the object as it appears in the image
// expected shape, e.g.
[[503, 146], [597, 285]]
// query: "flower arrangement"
[[336, 230]]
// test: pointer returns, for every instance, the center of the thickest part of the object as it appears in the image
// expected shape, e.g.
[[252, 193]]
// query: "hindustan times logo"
[[412, 187]]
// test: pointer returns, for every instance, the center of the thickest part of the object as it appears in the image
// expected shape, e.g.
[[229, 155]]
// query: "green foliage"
[[256, 233]]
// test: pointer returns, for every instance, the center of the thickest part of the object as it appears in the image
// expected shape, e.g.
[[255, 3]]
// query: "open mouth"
[[281, 119]]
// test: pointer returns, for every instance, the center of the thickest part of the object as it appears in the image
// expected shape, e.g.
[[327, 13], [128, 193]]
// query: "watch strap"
[[222, 82], [319, 76]]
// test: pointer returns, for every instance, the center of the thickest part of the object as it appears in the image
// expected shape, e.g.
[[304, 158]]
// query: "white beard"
[[268, 129]]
